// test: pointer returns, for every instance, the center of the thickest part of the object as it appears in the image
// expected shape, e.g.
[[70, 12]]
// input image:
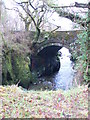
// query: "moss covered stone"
[[15, 68]]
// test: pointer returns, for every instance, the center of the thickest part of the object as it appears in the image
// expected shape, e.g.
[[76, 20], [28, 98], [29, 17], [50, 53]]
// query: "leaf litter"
[[17, 103]]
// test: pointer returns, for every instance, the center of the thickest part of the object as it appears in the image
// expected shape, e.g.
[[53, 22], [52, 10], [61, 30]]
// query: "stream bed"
[[63, 79]]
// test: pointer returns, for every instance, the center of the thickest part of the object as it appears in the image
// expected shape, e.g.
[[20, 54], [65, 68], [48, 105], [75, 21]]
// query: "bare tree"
[[34, 13], [23, 16]]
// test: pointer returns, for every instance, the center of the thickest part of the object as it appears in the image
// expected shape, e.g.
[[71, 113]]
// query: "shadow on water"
[[63, 79]]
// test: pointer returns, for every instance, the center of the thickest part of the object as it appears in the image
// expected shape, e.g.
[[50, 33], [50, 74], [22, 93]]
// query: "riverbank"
[[79, 75], [18, 103]]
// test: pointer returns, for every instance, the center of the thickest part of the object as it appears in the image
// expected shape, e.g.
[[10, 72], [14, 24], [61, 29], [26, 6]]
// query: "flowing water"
[[63, 79]]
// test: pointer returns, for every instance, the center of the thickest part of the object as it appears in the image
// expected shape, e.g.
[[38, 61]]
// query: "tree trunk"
[[37, 34], [0, 45], [0, 12], [27, 26], [88, 44]]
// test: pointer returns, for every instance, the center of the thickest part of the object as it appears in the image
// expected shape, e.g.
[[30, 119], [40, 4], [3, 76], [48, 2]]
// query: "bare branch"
[[28, 12], [55, 29], [81, 5], [61, 6], [40, 19], [17, 10], [78, 5], [68, 15], [32, 5], [72, 16]]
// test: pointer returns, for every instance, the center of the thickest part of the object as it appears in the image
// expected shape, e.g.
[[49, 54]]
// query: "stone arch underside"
[[49, 50]]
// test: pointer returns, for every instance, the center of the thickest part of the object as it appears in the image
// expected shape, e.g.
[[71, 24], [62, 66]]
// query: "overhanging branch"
[[78, 5], [74, 17]]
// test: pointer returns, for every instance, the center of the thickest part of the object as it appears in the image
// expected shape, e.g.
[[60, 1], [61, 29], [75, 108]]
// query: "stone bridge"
[[43, 54], [44, 59], [49, 48], [46, 39], [51, 44]]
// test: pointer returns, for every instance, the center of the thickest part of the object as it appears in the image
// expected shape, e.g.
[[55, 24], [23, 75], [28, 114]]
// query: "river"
[[63, 79]]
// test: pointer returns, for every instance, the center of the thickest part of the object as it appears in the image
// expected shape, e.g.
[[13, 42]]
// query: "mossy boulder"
[[15, 68]]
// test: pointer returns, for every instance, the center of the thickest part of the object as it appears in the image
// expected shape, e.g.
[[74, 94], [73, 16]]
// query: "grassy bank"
[[17, 103]]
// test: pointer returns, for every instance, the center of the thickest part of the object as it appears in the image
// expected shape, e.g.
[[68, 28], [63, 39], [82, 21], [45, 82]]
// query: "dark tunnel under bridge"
[[49, 50], [46, 61]]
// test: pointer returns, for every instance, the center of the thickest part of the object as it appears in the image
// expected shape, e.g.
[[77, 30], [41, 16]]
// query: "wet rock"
[[73, 58], [59, 54], [47, 84]]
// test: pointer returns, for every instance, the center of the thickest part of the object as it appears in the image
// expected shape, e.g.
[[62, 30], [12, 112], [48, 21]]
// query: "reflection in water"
[[64, 78]]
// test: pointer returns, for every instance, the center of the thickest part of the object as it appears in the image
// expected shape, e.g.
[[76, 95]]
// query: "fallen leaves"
[[16, 103]]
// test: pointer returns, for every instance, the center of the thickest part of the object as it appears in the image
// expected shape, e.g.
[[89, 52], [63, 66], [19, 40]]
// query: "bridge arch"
[[49, 50]]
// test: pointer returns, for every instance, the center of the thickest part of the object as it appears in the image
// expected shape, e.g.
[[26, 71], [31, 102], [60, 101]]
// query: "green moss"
[[7, 69], [15, 68]]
